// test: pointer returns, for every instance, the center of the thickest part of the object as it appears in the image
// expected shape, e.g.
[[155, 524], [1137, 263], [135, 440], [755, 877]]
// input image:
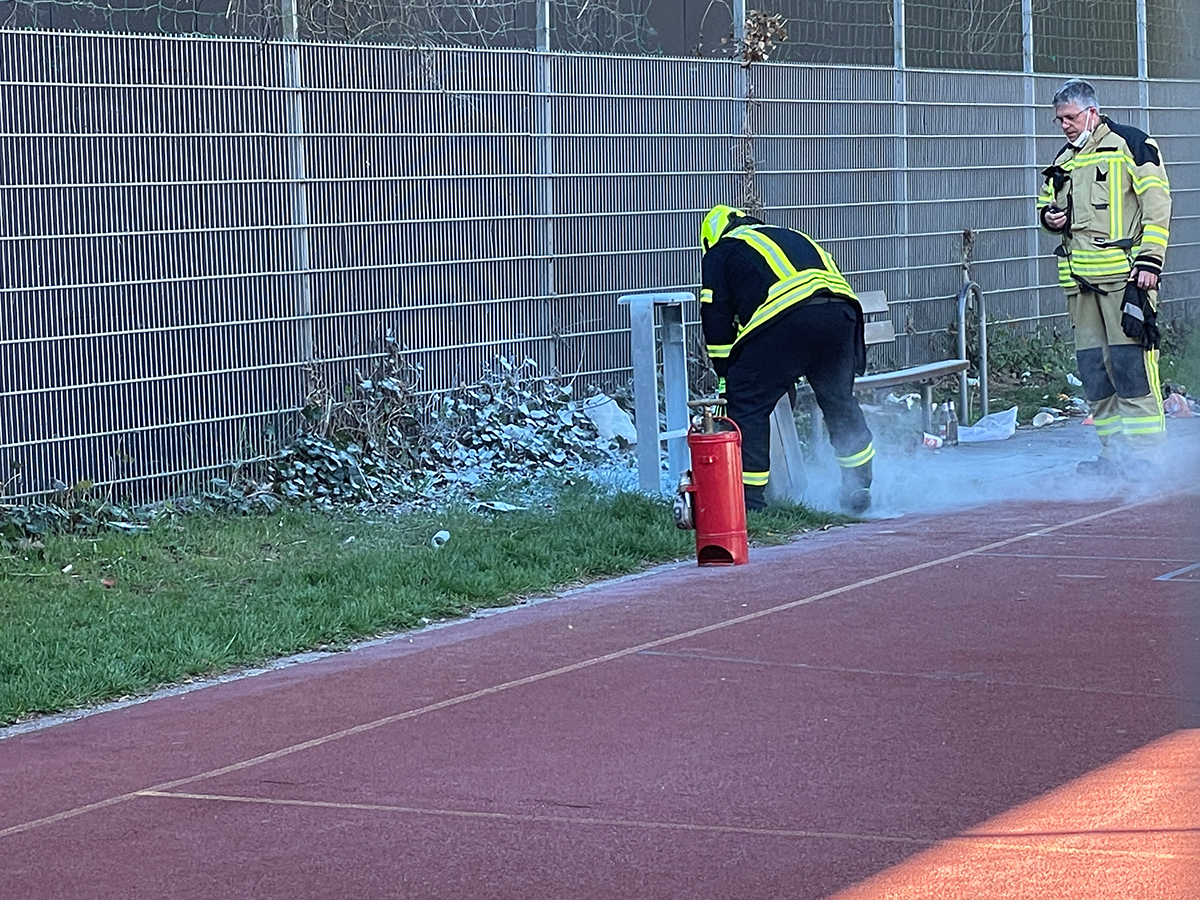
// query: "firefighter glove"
[[1139, 320]]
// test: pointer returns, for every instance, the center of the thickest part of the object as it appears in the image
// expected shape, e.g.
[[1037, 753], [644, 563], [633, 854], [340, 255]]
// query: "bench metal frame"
[[646, 310], [925, 375]]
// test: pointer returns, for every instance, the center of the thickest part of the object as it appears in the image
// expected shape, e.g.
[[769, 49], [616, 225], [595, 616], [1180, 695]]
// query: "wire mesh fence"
[[191, 230], [1098, 37]]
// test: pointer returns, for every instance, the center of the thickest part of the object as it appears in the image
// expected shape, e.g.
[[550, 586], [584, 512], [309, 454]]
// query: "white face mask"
[[1080, 141]]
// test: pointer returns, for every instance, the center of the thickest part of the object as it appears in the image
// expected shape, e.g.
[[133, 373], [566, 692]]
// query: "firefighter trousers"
[[1120, 379], [814, 340]]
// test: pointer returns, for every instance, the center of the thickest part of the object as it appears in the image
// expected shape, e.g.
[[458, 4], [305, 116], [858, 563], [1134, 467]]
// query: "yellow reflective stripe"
[[719, 351], [755, 479], [1145, 182], [1116, 215], [794, 285], [1154, 234], [767, 248], [799, 289], [1083, 160], [706, 295], [1153, 425], [1096, 263], [830, 265], [1153, 376], [1046, 196], [792, 282], [1101, 267], [1110, 425], [1064, 274], [858, 459], [809, 281], [1109, 273], [1098, 255]]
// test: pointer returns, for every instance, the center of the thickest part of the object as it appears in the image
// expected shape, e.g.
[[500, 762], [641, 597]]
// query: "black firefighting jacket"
[[756, 272]]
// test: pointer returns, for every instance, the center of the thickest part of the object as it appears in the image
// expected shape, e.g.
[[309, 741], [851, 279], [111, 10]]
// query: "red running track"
[[997, 703]]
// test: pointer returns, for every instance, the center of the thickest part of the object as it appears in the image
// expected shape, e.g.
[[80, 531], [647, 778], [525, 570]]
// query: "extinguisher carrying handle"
[[727, 425], [708, 410]]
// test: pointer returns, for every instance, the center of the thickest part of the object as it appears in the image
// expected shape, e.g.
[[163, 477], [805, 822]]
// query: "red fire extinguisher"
[[710, 497]]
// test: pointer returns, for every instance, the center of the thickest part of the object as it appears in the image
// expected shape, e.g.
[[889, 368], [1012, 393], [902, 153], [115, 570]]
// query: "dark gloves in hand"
[[1139, 320]]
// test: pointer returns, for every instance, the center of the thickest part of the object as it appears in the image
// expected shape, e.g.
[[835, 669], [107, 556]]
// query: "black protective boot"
[[1101, 467], [756, 497], [855, 497]]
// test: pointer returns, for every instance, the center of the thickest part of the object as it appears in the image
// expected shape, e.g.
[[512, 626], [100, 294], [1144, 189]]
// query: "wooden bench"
[[879, 330], [788, 479]]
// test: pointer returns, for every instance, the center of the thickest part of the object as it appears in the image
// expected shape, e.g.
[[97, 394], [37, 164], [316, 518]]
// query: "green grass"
[[1179, 363], [90, 619]]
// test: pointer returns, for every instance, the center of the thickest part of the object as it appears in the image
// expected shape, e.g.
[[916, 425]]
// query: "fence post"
[[545, 179], [1031, 160], [1143, 69], [297, 177], [900, 178]]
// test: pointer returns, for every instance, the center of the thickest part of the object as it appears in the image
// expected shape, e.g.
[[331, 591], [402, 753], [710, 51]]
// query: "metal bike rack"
[[971, 289]]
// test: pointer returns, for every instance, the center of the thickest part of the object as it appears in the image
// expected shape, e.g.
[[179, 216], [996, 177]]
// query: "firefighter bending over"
[[1107, 197], [775, 308]]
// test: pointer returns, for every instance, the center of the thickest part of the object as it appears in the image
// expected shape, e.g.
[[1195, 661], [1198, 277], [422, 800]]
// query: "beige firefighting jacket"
[[1118, 203]]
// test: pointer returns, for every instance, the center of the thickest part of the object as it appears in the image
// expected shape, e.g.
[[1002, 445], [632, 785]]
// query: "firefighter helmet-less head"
[[718, 220]]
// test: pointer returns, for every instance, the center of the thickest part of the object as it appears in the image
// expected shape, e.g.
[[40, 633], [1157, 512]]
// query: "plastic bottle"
[[944, 421], [951, 425]]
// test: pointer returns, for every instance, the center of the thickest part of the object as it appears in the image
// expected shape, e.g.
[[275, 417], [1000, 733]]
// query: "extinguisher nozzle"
[[683, 512]]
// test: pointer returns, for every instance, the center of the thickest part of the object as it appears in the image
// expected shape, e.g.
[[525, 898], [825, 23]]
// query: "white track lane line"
[[551, 673]]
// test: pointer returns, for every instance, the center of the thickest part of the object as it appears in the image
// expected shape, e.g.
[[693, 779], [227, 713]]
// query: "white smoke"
[[1034, 464]]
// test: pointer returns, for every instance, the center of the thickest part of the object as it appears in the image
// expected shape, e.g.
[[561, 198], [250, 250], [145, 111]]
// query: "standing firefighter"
[[1107, 197], [775, 308]]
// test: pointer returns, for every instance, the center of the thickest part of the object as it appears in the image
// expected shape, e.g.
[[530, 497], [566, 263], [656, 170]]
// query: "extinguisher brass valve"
[[708, 410]]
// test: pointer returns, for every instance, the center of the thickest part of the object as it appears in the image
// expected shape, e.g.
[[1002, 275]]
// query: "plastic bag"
[[610, 420], [1176, 406], [995, 427]]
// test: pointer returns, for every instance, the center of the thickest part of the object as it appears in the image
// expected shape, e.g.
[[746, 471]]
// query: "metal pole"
[[900, 146], [971, 290], [645, 394], [545, 172], [675, 392], [1143, 69], [742, 87], [298, 177], [1031, 161]]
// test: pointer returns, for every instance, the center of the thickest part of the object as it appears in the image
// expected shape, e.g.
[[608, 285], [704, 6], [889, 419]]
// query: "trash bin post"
[[643, 350]]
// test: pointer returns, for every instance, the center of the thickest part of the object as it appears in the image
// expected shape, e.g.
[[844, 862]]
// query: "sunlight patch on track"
[[1128, 829]]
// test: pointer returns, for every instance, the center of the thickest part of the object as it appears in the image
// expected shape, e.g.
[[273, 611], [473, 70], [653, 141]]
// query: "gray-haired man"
[[1107, 197]]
